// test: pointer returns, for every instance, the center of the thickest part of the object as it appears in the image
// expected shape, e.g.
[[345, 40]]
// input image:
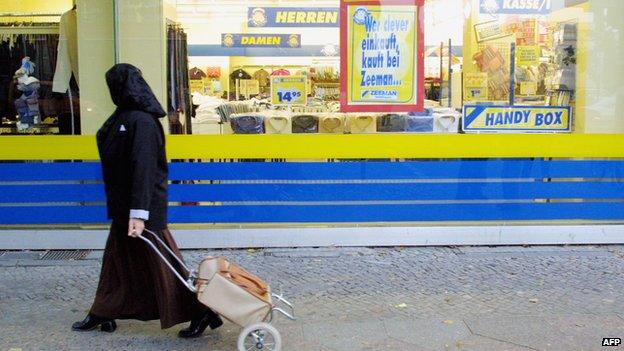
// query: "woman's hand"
[[135, 227]]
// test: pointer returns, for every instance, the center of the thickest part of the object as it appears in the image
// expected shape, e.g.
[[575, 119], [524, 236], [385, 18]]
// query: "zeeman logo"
[[611, 341], [381, 94]]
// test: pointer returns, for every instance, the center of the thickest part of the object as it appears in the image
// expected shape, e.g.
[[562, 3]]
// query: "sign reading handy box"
[[517, 118]]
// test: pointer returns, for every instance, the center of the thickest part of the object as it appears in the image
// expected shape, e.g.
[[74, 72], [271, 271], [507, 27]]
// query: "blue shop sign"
[[516, 7], [293, 17], [232, 40]]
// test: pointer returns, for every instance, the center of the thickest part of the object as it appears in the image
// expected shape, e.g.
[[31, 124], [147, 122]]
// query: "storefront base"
[[328, 237]]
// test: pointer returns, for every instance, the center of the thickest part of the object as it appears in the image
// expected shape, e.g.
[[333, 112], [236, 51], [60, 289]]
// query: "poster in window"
[[382, 55]]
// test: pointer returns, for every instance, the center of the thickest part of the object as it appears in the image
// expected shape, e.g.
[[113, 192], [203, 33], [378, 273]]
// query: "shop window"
[[277, 67], [489, 66], [39, 91]]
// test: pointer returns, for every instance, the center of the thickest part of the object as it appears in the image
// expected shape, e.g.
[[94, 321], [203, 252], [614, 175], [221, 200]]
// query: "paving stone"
[[433, 334], [479, 343], [511, 299], [346, 336]]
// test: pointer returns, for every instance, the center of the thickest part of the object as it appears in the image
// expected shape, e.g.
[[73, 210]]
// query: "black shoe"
[[198, 325], [91, 322]]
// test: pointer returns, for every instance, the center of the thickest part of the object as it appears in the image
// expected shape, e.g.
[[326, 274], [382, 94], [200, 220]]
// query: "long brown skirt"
[[136, 284]]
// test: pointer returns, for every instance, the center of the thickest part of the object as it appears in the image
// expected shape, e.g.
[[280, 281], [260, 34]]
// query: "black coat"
[[131, 144]]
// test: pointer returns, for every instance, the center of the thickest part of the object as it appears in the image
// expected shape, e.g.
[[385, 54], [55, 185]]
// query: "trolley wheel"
[[259, 336]]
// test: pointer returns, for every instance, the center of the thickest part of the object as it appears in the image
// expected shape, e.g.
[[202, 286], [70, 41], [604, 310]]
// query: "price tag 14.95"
[[288, 90]]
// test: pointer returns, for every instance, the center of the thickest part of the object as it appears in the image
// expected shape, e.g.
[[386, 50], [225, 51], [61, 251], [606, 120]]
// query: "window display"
[[38, 94], [523, 63], [440, 66]]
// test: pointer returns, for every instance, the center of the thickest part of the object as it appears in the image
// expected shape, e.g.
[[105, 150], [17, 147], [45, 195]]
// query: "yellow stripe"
[[321, 146]]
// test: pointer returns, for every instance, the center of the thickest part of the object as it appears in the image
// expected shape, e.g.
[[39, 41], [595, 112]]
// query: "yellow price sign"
[[197, 86], [528, 88], [289, 90], [475, 86]]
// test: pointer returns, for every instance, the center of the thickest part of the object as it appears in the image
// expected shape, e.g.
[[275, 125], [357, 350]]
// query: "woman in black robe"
[[134, 282]]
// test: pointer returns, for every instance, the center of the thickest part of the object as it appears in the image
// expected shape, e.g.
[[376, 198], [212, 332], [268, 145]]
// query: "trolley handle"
[[188, 283], [168, 250], [290, 315]]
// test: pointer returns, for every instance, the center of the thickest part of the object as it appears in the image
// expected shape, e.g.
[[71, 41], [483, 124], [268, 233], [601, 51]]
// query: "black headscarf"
[[130, 91]]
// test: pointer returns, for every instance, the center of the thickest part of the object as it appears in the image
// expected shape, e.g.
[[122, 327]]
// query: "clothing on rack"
[[237, 107], [278, 123], [361, 124], [327, 91], [179, 107], [332, 123], [280, 72], [196, 74], [42, 50], [238, 74], [419, 122], [305, 124], [392, 122], [213, 72], [67, 53], [27, 107], [446, 120], [262, 77], [249, 123]]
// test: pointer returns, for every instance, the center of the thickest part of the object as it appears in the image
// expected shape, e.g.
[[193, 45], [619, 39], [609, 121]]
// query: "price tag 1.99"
[[288, 90]]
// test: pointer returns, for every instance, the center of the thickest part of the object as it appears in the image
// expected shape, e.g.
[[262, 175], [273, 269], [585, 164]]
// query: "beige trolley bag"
[[235, 294]]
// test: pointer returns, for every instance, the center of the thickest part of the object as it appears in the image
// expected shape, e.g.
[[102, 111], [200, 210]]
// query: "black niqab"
[[130, 91]]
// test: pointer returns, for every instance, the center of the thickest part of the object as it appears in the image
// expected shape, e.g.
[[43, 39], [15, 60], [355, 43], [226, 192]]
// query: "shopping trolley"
[[257, 332]]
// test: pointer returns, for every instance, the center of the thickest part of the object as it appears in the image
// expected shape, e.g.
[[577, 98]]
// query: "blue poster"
[[293, 17], [516, 7], [233, 40]]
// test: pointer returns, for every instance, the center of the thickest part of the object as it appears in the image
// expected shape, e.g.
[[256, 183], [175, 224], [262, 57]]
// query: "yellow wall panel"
[[334, 146]]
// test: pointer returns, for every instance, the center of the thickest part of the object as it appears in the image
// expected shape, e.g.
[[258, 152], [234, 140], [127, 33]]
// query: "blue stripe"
[[331, 213], [470, 117], [37, 215], [57, 171], [397, 192], [397, 213], [52, 193], [330, 192], [437, 169]]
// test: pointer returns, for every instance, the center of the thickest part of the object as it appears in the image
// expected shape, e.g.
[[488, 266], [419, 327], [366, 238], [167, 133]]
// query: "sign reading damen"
[[239, 40], [516, 7], [293, 17]]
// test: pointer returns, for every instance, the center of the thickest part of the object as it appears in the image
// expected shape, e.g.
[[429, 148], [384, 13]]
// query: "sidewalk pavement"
[[503, 298]]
